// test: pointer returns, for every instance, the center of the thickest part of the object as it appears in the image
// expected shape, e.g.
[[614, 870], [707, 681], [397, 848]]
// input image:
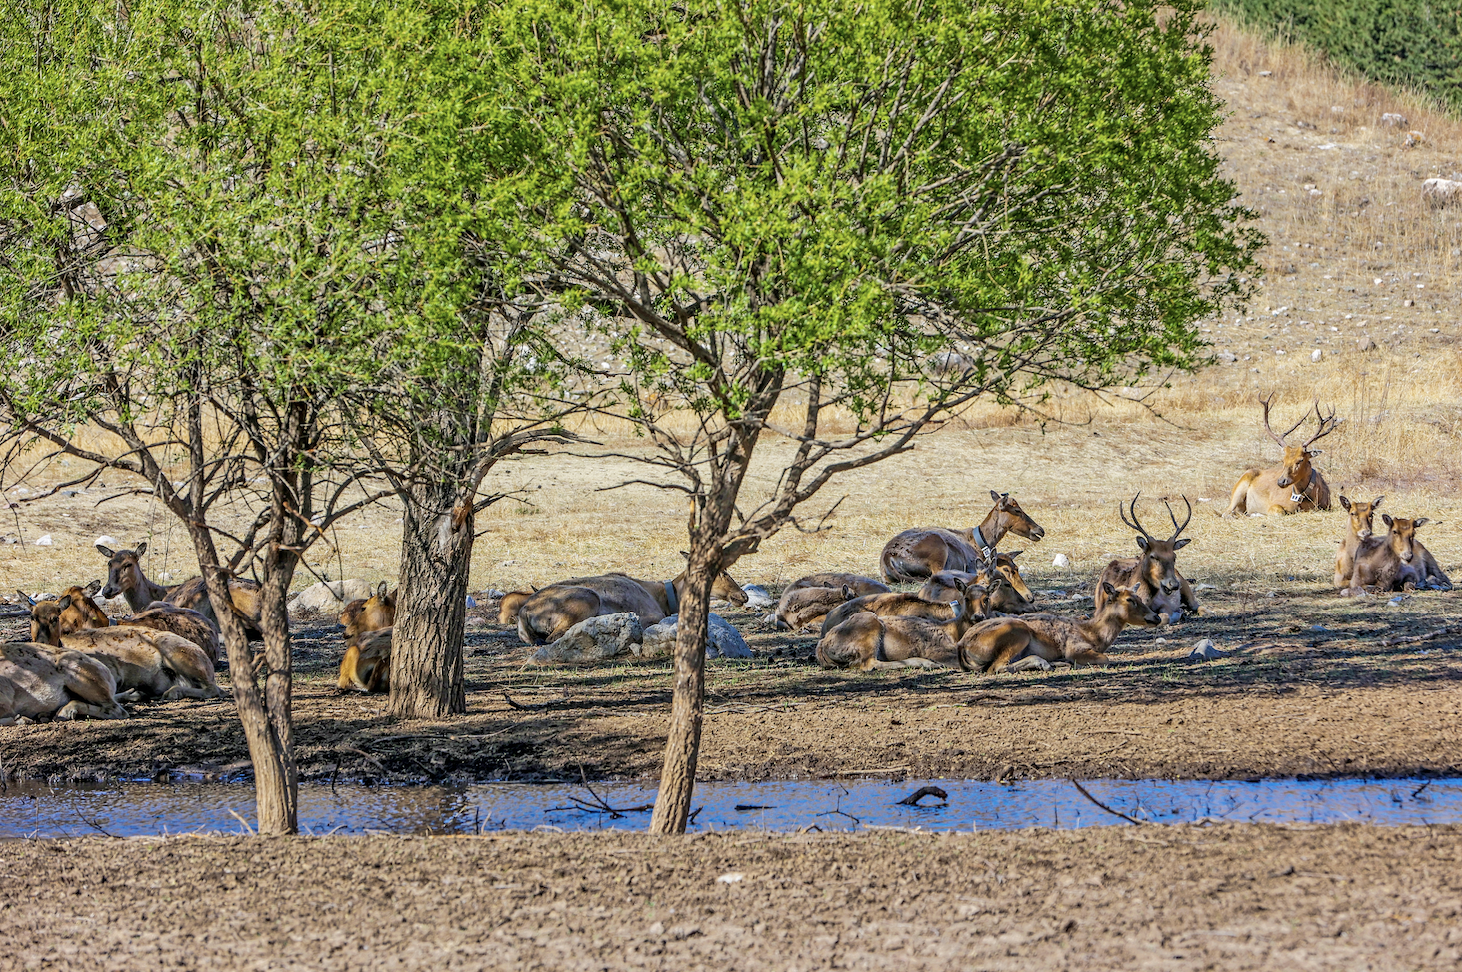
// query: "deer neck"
[[1102, 629], [992, 529]]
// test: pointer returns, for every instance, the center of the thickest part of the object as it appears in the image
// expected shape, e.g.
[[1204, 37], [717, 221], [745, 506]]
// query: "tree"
[[781, 214]]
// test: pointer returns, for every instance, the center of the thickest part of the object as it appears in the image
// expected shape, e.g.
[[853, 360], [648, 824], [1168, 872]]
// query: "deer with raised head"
[[38, 682], [368, 614], [864, 641], [1395, 561], [1359, 530], [70, 612], [546, 615], [1293, 485], [974, 597], [1036, 641], [126, 578], [1153, 576], [923, 552], [1012, 597]]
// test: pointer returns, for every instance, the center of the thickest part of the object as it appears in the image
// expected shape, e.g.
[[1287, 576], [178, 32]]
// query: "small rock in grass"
[[1206, 651], [757, 597], [595, 639], [1061, 561], [1395, 602], [1316, 354], [44, 541]]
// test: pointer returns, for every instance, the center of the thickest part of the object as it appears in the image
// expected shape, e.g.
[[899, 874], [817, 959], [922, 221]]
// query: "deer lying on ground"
[[920, 553], [546, 615], [1012, 597], [125, 578], [864, 641], [147, 662], [1153, 576], [75, 611], [807, 600], [507, 611], [1038, 640], [72, 611], [366, 666], [1294, 484], [192, 625], [37, 681], [975, 599], [1359, 530], [1394, 561], [857, 583]]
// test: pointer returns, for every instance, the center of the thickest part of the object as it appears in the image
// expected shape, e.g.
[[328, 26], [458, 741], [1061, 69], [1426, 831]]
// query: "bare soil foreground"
[[1316, 686], [1181, 897]]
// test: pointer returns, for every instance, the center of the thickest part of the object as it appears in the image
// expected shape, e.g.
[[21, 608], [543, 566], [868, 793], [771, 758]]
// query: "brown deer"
[[802, 607], [920, 553], [193, 625], [1293, 485], [368, 614], [1153, 576], [1394, 561], [1038, 640], [864, 641], [1360, 529], [974, 599], [125, 578], [546, 615], [366, 666], [70, 612], [507, 611], [38, 682], [857, 583], [145, 662], [1012, 597]]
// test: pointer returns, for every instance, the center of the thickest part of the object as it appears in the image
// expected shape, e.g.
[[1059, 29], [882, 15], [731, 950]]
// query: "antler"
[[1328, 423], [1173, 516], [1267, 402], [1134, 523]]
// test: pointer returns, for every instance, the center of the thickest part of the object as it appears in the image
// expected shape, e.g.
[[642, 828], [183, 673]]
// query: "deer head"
[[124, 569], [1159, 557], [1297, 457], [1362, 516], [1402, 536]]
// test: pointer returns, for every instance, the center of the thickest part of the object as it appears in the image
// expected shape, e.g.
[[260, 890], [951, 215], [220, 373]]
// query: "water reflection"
[[128, 809]]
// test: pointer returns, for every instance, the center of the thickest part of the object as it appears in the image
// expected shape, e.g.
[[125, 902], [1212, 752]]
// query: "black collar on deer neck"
[[987, 549], [671, 597]]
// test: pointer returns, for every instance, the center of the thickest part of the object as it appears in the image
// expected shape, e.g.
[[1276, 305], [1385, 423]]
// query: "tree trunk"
[[431, 605], [682, 747]]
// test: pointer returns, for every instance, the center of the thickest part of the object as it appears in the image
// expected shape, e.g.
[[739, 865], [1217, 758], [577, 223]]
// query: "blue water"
[[130, 809]]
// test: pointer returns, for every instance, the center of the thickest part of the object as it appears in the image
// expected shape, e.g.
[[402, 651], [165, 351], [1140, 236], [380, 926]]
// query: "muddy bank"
[[1183, 897], [1328, 695]]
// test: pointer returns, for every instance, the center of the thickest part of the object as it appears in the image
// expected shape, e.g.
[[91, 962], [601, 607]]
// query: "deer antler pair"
[[1136, 524], [1328, 423]]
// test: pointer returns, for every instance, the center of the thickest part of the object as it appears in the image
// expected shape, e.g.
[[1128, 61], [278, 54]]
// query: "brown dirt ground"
[[1292, 701], [1172, 898]]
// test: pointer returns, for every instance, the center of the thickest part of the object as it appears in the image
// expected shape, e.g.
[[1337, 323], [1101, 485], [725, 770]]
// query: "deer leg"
[[1029, 663], [1238, 503], [1186, 597]]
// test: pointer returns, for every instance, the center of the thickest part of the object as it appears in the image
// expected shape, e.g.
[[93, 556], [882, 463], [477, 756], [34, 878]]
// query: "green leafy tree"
[[785, 214]]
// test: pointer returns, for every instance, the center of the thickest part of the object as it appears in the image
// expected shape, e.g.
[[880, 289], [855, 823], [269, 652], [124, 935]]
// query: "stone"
[[1366, 343], [722, 639], [105, 541], [331, 596], [595, 639], [1316, 354], [1206, 651], [1227, 357], [757, 598], [1061, 560], [1392, 119]]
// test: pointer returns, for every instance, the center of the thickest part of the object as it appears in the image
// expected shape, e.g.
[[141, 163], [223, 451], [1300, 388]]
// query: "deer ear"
[[105, 551], [1182, 543], [1315, 452], [381, 590], [1418, 522], [994, 496], [1344, 503], [92, 589], [1378, 501], [141, 549], [685, 555], [1142, 542], [25, 597], [848, 594], [1386, 517], [1109, 590], [1014, 553], [65, 602]]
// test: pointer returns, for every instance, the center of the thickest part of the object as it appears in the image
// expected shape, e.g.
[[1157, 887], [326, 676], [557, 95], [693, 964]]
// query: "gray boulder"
[[593, 640], [722, 639], [1206, 651], [757, 598], [331, 596]]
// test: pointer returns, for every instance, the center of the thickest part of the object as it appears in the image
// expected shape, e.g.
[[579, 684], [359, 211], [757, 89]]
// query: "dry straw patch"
[[1401, 402]]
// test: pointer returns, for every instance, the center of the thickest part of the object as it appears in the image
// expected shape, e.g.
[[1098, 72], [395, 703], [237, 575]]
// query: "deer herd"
[[974, 612]]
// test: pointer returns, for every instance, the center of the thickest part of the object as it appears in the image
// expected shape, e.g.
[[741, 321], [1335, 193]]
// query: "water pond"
[[130, 809]]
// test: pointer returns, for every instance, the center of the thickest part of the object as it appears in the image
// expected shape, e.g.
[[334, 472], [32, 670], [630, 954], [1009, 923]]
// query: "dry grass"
[[1401, 402]]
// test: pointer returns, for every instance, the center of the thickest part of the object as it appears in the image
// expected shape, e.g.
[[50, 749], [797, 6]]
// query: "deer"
[[1153, 576], [195, 626], [144, 662], [1394, 562], [368, 614], [366, 666], [38, 682], [507, 611], [864, 641], [72, 611], [546, 615], [1037, 641], [807, 600], [857, 583], [922, 552], [1292, 486], [1360, 529], [1013, 597], [126, 578], [974, 597]]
